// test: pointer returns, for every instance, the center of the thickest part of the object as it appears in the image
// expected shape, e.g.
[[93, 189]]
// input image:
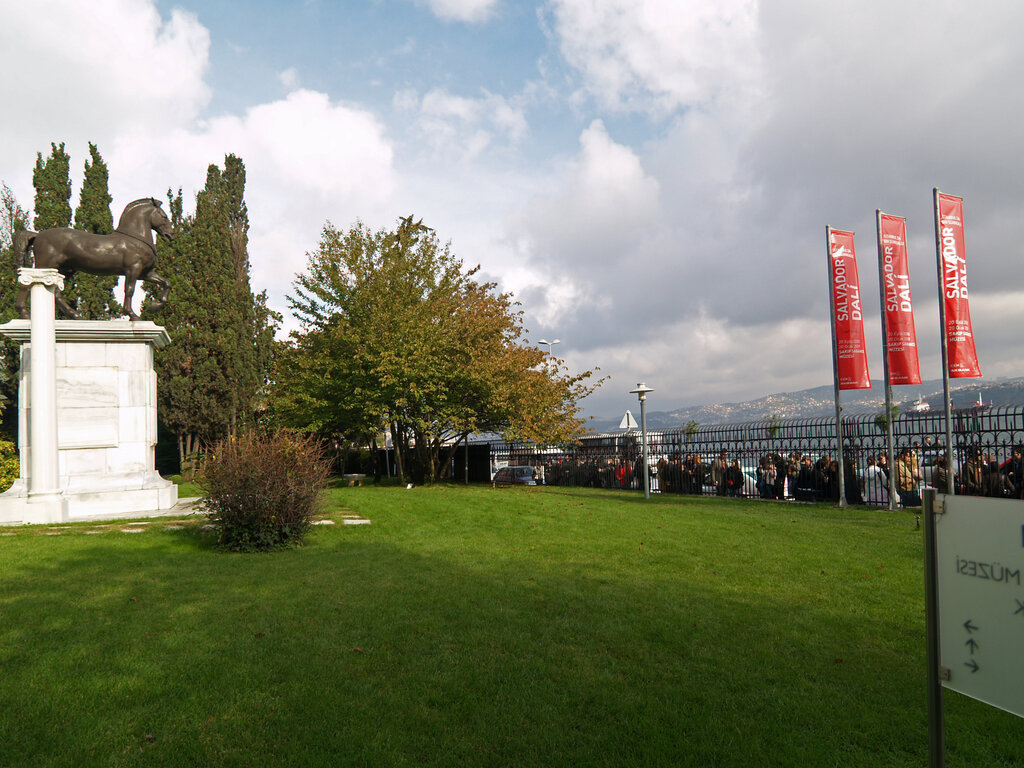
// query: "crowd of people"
[[867, 476]]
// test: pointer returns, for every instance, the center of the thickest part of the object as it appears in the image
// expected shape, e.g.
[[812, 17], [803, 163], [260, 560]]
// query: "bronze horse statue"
[[128, 251]]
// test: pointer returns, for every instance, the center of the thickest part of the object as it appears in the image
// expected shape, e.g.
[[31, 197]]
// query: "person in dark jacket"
[[851, 482], [973, 475], [781, 472], [734, 479], [993, 480], [1012, 472]]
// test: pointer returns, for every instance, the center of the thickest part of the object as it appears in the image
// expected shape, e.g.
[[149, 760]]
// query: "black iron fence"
[[794, 458]]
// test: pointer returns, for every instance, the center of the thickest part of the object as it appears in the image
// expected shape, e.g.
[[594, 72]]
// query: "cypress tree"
[[222, 335], [52, 181], [176, 364], [246, 354], [93, 295]]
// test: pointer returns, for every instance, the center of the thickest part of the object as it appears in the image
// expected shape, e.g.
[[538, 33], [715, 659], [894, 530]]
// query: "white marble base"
[[16, 507], [106, 424]]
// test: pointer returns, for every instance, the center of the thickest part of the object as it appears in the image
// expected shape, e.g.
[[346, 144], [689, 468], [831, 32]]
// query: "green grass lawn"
[[186, 488], [483, 627]]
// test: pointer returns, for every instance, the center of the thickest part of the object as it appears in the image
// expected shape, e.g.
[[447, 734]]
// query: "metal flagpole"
[[890, 449], [835, 364], [946, 403]]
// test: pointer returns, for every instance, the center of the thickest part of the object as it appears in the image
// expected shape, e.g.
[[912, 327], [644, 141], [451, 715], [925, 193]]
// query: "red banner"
[[850, 348], [901, 336], [961, 355]]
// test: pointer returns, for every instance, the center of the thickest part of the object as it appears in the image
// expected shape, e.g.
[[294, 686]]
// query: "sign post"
[[936, 704], [974, 588]]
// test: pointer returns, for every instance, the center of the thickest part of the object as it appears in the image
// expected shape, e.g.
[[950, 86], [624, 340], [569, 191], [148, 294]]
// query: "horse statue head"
[[142, 215]]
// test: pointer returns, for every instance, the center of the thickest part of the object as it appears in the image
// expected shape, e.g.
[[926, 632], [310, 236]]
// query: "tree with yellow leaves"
[[397, 335]]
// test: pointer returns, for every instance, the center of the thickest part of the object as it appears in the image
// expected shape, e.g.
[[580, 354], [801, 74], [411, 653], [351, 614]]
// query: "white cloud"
[[79, 73], [92, 71], [832, 128], [473, 11], [459, 127], [289, 78], [604, 201], [307, 159], [659, 56]]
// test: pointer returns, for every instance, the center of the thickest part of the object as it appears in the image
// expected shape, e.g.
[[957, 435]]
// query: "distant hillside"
[[818, 402]]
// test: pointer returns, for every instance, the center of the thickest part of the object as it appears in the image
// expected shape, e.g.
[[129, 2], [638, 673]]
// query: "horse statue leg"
[[22, 242], [21, 303], [165, 288], [129, 291], [66, 309]]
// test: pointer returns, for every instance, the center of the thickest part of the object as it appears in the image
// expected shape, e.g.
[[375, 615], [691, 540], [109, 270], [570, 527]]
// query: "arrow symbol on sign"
[[972, 665], [972, 644], [1020, 607], [970, 627]]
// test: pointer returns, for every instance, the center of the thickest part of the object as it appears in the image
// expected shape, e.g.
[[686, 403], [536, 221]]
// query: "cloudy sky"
[[651, 178]]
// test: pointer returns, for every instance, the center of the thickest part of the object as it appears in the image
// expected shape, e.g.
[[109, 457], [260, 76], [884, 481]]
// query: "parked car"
[[516, 476], [928, 460]]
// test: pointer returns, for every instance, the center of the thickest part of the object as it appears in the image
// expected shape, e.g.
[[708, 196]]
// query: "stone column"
[[43, 485]]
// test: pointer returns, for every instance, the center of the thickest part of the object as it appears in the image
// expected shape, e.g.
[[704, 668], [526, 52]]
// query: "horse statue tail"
[[23, 240]]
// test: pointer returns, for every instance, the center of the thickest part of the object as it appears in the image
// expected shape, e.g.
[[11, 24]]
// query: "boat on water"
[[920, 405]]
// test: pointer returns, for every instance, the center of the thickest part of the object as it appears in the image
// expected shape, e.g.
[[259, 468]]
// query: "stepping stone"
[[322, 522], [356, 522]]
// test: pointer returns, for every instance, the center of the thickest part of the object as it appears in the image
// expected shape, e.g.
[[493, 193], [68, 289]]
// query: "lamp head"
[[641, 391]]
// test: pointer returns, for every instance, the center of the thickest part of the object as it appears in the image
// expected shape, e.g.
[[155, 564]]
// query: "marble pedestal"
[[106, 422]]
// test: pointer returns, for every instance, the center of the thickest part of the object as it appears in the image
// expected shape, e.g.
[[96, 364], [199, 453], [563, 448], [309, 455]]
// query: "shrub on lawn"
[[9, 467], [262, 489]]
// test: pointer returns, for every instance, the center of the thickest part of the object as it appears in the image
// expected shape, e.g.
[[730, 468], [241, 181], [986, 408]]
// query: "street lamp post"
[[641, 392], [549, 343]]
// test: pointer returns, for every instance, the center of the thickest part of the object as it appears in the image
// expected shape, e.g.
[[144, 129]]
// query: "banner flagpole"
[[946, 402], [850, 357], [889, 447], [961, 356], [835, 364]]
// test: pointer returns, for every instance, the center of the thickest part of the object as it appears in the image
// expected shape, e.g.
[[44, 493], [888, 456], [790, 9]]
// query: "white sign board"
[[628, 422], [980, 574]]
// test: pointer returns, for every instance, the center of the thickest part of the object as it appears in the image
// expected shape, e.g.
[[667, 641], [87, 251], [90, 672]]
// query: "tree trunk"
[[421, 464], [376, 461], [399, 458], [449, 454], [188, 455]]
